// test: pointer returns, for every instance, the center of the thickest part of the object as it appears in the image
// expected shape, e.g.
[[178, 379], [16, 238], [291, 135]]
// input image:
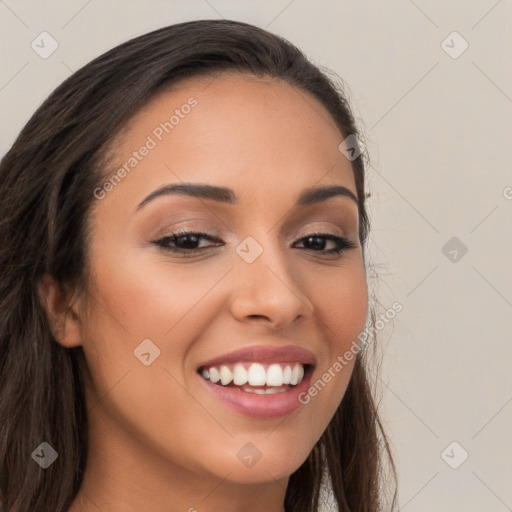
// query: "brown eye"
[[186, 242], [317, 241]]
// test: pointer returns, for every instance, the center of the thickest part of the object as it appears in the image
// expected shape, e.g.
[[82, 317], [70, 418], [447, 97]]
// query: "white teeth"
[[297, 374], [226, 376], [256, 376], [287, 375], [239, 375], [214, 374], [269, 391], [276, 375]]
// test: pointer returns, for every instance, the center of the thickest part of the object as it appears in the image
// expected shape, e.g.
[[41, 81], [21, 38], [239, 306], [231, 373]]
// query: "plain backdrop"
[[431, 85]]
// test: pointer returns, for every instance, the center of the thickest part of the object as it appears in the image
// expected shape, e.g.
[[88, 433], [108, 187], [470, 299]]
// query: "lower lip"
[[260, 406]]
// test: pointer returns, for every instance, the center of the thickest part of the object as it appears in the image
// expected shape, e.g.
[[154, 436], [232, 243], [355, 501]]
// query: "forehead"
[[246, 132]]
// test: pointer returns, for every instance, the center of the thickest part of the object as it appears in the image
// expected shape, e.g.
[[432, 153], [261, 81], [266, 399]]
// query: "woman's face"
[[157, 316]]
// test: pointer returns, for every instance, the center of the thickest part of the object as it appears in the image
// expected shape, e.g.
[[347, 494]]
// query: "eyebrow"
[[226, 195]]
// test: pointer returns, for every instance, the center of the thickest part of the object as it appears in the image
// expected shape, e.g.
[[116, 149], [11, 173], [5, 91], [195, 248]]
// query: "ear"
[[62, 314]]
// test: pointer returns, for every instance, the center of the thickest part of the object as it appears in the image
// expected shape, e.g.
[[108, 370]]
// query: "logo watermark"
[[151, 142], [343, 360]]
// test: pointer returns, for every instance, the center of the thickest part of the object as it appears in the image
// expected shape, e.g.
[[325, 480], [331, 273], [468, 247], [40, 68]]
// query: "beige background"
[[439, 133]]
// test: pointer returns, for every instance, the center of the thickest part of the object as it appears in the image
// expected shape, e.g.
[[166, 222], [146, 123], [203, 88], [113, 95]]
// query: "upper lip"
[[265, 354]]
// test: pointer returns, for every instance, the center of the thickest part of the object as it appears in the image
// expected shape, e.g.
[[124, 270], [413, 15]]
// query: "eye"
[[318, 241], [184, 241]]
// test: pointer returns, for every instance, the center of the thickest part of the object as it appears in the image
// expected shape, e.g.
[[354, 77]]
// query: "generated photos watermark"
[[343, 360], [157, 135]]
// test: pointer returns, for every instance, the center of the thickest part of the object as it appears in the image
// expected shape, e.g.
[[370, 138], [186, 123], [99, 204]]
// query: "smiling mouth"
[[254, 377]]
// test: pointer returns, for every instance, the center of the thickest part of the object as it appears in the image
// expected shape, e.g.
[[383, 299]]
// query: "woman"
[[183, 224]]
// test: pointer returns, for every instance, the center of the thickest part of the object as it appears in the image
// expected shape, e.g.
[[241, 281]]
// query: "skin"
[[159, 440]]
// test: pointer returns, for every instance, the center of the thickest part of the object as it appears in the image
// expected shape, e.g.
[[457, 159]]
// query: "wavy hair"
[[46, 179]]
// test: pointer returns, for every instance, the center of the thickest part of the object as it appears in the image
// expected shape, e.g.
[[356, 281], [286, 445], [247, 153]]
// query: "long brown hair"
[[46, 184]]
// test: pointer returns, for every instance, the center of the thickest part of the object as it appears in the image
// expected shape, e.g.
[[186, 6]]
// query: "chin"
[[278, 466]]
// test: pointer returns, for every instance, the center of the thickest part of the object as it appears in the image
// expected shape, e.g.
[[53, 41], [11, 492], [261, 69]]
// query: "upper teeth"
[[256, 374]]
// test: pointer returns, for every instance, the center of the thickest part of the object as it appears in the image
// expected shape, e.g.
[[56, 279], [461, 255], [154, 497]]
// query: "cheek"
[[341, 305], [136, 300], [151, 297]]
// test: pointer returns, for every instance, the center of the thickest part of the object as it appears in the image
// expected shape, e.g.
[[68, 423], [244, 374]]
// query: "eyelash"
[[343, 244]]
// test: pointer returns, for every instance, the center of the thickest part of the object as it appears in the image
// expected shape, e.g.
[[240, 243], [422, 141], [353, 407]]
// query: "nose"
[[269, 289]]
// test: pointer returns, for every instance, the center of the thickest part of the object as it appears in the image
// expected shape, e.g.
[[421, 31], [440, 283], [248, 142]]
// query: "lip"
[[260, 406], [264, 354]]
